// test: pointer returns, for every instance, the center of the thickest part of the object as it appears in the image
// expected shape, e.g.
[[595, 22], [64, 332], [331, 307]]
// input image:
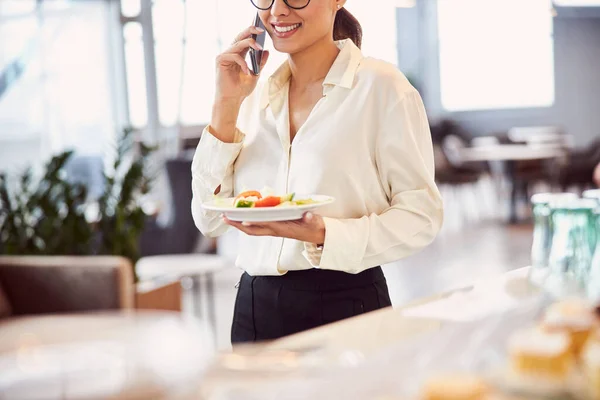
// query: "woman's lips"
[[285, 31]]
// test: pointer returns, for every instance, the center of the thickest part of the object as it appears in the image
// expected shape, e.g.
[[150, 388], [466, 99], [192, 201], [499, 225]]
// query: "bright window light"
[[379, 28], [136, 74], [496, 54], [131, 8]]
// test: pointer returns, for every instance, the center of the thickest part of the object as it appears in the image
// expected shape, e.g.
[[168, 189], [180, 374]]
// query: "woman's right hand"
[[235, 80]]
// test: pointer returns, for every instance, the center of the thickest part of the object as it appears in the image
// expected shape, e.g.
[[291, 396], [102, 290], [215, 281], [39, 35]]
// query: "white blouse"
[[366, 142]]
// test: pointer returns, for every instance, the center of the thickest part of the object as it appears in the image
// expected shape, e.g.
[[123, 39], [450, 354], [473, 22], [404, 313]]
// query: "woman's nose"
[[279, 8]]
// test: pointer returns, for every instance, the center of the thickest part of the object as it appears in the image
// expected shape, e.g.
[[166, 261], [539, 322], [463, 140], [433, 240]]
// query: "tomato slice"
[[249, 193], [271, 201]]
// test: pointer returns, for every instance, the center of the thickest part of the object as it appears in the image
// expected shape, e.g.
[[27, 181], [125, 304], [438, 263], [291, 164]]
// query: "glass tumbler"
[[573, 242], [543, 232], [593, 284]]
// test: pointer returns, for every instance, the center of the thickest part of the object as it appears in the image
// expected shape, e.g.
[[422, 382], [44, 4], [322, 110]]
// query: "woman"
[[329, 121]]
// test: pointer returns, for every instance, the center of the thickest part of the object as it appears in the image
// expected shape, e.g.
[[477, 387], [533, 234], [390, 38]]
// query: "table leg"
[[197, 296], [211, 303], [512, 176]]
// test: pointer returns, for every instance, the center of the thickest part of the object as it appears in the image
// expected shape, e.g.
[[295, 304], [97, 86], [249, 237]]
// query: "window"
[[188, 35], [379, 28], [136, 74], [55, 84], [495, 54]]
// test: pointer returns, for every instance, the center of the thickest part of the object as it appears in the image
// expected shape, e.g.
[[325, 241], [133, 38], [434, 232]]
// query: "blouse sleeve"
[[212, 167], [404, 159]]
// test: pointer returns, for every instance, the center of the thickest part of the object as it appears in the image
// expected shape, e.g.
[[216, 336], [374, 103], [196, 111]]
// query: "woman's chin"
[[287, 47]]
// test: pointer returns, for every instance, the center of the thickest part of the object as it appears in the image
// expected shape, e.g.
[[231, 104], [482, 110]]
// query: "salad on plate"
[[266, 206], [255, 199]]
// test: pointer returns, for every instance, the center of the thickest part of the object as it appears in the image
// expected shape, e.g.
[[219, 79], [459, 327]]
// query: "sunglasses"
[[267, 4]]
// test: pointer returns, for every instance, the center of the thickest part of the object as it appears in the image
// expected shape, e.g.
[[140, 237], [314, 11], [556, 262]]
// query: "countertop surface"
[[363, 338]]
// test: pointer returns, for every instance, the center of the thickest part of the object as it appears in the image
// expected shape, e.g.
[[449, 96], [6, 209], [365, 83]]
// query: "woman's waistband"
[[321, 279]]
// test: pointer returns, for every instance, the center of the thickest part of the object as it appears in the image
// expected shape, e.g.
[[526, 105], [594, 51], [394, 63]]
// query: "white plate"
[[266, 214]]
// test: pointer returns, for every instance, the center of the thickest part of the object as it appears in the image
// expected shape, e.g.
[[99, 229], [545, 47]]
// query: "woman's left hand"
[[309, 229]]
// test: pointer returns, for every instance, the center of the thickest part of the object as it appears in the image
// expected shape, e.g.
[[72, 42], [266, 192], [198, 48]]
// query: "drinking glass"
[[543, 232], [573, 242], [593, 285]]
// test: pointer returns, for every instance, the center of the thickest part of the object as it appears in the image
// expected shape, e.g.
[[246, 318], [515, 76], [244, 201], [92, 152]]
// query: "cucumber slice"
[[243, 203], [287, 197], [305, 202]]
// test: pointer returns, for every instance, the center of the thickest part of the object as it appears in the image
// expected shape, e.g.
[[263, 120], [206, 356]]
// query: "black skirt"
[[270, 307]]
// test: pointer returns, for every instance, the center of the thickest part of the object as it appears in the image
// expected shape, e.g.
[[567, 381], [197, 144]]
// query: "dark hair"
[[346, 26]]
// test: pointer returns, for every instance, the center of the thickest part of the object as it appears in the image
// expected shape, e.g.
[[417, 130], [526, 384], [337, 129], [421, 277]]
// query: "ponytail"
[[346, 26]]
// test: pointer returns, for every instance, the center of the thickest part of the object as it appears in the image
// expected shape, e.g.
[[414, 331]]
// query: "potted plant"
[[48, 216]]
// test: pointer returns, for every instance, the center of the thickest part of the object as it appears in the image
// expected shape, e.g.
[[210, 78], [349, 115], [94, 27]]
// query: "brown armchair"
[[42, 285]]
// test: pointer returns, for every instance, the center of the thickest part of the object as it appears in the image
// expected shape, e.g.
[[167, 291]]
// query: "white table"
[[126, 355], [197, 266], [511, 154]]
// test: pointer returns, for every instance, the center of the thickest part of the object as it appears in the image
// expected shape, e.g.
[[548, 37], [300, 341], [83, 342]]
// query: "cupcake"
[[456, 387], [590, 365], [536, 353], [574, 317]]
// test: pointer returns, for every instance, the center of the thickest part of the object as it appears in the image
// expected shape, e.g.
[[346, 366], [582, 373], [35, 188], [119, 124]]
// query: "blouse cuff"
[[213, 158], [336, 254]]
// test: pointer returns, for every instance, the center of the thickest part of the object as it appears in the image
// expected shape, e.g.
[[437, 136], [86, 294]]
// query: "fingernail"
[[259, 46], [309, 216], [245, 223], [260, 29]]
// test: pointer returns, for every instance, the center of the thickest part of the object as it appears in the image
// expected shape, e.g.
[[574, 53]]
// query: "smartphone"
[[256, 55]]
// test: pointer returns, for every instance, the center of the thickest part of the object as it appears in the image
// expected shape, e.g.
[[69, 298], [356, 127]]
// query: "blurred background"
[[119, 91]]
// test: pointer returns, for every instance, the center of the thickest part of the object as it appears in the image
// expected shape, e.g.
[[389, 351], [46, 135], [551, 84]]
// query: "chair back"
[[184, 233], [57, 284]]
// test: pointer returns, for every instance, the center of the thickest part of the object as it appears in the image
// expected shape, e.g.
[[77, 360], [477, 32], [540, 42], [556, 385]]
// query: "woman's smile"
[[285, 30]]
